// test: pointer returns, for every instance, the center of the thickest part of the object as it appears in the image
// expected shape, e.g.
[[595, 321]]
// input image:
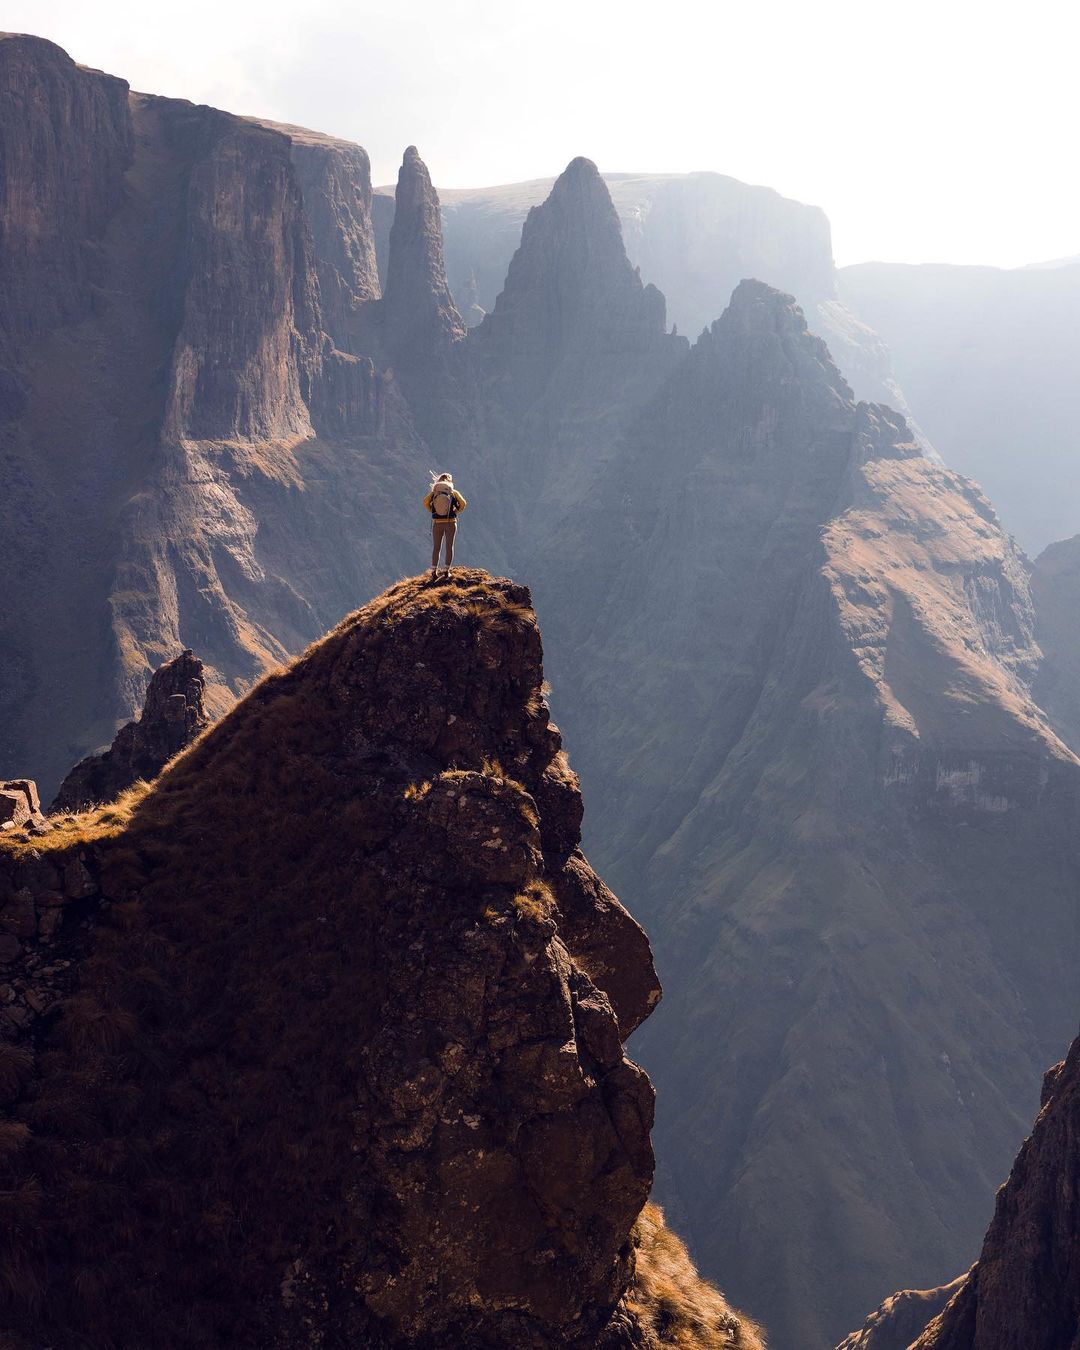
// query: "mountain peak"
[[573, 316], [579, 170], [360, 950]]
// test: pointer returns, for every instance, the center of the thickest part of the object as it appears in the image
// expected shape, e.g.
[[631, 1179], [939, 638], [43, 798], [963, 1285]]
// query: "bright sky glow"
[[929, 130]]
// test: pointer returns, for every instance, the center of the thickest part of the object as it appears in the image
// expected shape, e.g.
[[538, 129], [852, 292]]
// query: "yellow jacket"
[[459, 504]]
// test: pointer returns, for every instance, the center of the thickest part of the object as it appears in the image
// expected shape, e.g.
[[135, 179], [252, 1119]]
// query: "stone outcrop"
[[900, 1319], [173, 715], [574, 347], [420, 331], [433, 1133], [419, 316], [573, 313], [1023, 1293], [19, 803]]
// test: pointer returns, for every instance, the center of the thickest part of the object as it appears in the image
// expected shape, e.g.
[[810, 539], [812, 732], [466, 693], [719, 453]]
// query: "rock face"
[[1055, 586], [19, 803], [335, 179], [570, 291], [193, 398], [900, 1319], [420, 328], [988, 359], [66, 140], [386, 1104], [1024, 1290], [249, 341], [65, 144], [851, 828], [172, 717]]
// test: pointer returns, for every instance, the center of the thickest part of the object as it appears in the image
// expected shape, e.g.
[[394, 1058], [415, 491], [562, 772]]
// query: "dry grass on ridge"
[[672, 1301]]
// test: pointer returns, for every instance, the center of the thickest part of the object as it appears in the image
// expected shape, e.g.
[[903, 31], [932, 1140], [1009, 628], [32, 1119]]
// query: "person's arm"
[[461, 502], [427, 502]]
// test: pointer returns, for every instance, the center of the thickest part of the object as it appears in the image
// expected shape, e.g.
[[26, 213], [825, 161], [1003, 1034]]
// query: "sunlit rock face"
[[176, 408]]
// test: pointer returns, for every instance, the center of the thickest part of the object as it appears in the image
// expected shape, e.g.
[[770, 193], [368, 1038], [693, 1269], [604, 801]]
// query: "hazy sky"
[[929, 130]]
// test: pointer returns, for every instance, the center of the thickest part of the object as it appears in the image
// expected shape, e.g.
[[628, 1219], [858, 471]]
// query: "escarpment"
[[315, 1038], [65, 144], [191, 397]]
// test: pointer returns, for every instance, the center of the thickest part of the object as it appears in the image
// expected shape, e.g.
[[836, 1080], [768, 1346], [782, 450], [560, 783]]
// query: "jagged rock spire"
[[173, 715], [570, 280], [418, 310]]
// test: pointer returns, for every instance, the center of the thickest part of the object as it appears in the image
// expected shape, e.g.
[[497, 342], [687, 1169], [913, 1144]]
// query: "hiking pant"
[[440, 530]]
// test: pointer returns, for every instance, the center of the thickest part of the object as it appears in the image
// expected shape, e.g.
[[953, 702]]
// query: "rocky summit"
[[318, 1039]]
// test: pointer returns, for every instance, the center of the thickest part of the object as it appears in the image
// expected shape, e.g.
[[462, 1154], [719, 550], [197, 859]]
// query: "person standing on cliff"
[[444, 502]]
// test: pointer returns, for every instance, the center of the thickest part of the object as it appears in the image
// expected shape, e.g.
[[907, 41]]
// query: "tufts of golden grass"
[[536, 902], [671, 1300], [88, 827]]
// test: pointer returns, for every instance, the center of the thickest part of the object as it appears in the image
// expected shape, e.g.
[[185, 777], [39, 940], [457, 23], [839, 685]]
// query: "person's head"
[[445, 478]]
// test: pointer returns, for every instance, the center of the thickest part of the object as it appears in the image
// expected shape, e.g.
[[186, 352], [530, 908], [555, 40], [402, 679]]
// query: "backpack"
[[442, 501]]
